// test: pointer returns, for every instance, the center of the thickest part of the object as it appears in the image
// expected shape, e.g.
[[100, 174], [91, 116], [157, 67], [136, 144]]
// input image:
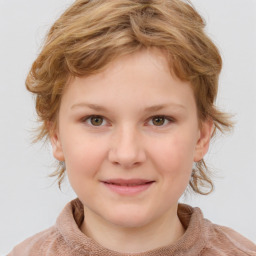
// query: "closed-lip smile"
[[128, 186]]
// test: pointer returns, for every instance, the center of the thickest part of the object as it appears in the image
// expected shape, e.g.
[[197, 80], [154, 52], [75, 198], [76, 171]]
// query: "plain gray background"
[[30, 201]]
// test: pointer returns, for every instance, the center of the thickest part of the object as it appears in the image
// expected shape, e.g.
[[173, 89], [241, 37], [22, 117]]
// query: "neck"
[[161, 232]]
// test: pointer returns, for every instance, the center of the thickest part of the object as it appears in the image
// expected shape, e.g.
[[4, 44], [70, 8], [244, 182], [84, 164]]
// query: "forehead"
[[141, 79]]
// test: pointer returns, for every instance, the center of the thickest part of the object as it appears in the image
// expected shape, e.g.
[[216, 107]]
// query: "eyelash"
[[88, 118], [167, 119]]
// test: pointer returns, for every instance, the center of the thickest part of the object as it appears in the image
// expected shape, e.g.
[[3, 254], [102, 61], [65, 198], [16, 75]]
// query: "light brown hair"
[[92, 33]]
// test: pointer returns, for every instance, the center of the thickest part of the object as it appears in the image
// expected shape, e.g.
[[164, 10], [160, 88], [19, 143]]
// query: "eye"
[[159, 120], [95, 120]]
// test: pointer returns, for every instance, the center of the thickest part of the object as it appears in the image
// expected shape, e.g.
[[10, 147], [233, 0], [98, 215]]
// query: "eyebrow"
[[89, 105], [147, 109]]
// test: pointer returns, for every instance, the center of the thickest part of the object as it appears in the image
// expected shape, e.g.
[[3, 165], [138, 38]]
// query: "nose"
[[126, 148]]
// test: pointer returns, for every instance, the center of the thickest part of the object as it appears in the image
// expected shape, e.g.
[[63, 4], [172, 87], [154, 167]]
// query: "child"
[[125, 92]]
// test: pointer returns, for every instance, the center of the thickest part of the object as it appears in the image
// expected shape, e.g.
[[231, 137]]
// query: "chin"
[[129, 219], [129, 223]]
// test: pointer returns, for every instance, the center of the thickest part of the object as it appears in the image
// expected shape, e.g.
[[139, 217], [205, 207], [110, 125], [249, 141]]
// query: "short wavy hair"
[[90, 34]]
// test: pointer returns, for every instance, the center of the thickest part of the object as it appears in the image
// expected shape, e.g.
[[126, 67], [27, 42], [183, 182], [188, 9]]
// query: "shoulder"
[[62, 239], [36, 244], [204, 238], [225, 241]]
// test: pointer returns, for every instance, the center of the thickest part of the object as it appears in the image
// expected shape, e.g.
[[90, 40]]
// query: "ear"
[[205, 134], [56, 146]]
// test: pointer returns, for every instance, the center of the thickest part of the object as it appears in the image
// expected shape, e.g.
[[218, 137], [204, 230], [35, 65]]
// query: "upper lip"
[[123, 182]]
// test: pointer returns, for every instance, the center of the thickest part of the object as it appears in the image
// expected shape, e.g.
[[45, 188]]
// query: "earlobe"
[[56, 146], [203, 142]]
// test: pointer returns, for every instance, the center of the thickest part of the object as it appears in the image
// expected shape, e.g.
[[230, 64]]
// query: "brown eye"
[[158, 120], [96, 120]]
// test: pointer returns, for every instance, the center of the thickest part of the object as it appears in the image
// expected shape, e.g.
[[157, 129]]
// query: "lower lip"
[[128, 190]]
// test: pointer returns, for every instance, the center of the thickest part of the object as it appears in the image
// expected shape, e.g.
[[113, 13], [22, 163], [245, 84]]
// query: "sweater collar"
[[191, 243]]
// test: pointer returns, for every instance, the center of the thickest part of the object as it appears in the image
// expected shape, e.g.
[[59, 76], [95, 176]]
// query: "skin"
[[127, 141]]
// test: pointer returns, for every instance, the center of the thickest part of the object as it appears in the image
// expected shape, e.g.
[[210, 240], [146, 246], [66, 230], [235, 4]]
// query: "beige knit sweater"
[[202, 238]]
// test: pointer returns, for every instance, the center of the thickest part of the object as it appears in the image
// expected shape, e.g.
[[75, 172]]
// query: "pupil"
[[96, 121], [158, 121]]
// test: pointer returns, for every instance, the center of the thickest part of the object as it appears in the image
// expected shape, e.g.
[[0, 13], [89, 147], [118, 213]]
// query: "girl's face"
[[129, 136]]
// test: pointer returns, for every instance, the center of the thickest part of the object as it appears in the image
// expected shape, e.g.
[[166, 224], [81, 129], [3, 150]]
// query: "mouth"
[[128, 187], [130, 182]]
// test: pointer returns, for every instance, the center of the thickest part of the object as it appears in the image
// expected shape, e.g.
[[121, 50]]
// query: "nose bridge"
[[127, 147]]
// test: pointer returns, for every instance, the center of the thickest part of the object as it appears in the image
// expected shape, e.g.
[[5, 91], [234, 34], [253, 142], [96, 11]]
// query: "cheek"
[[83, 158], [174, 157]]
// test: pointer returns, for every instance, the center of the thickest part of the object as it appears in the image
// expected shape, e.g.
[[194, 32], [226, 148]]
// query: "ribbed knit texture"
[[201, 238]]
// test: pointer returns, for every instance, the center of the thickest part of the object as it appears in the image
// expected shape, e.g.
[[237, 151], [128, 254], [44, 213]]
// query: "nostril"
[[127, 155]]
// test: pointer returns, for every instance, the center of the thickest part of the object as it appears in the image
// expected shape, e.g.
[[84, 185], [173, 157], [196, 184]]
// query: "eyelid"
[[167, 118], [86, 120]]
